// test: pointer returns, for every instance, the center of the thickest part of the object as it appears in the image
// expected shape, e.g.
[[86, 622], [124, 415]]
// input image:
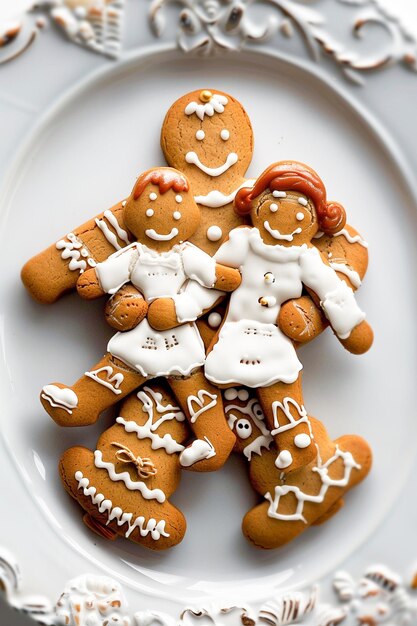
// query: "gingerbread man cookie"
[[162, 215], [125, 484], [308, 496]]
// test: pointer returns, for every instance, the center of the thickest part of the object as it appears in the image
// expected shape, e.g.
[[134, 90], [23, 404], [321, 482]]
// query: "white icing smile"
[[277, 235], [192, 157], [152, 234]]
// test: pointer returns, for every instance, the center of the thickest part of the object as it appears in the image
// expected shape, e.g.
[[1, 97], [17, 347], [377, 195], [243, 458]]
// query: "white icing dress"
[[251, 349], [158, 275]]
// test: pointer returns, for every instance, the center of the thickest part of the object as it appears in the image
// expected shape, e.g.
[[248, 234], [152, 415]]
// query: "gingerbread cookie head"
[[288, 205], [207, 135], [161, 211]]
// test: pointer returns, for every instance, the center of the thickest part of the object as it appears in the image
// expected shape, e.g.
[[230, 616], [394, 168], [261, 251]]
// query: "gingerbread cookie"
[[276, 257], [125, 484], [162, 215], [308, 496]]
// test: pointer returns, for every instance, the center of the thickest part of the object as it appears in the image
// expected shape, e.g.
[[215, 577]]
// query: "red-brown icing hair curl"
[[164, 178], [295, 176]]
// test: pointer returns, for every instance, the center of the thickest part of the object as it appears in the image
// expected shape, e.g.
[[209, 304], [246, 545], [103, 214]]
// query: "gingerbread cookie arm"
[[347, 253], [55, 271]]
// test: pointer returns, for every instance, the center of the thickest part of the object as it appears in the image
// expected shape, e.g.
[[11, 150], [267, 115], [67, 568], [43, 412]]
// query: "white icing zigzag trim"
[[156, 529], [148, 494], [216, 104], [301, 497]]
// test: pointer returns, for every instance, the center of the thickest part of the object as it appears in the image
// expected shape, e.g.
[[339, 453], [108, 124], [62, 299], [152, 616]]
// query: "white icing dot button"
[[302, 440], [300, 216], [200, 134], [267, 301], [176, 215], [273, 207], [230, 394], [284, 459], [178, 199], [269, 278], [149, 212], [214, 233], [224, 134], [214, 320], [152, 196]]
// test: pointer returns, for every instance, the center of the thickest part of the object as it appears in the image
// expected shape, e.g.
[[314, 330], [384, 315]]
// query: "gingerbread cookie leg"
[[203, 406], [289, 424], [309, 496], [104, 385]]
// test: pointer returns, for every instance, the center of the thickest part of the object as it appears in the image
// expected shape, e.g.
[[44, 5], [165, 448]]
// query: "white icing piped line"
[[152, 234], [302, 201], [254, 411], [109, 235], [353, 276], [351, 238], [60, 397], [216, 104], [279, 194], [199, 401], [148, 494], [215, 199], [116, 513], [285, 407], [193, 159], [323, 471], [117, 379], [73, 248], [277, 235], [144, 432]]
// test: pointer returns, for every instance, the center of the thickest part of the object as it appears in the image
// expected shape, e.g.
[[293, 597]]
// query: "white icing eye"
[[200, 134], [279, 194], [152, 196], [257, 411], [273, 207], [178, 199], [214, 320], [243, 428], [224, 134], [149, 212], [300, 216], [302, 201], [176, 215]]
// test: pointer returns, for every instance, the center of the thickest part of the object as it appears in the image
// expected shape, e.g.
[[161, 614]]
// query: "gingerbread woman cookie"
[[276, 257], [162, 215]]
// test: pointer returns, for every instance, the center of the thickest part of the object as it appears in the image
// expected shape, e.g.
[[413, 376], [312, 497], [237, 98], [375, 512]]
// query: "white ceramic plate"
[[81, 158]]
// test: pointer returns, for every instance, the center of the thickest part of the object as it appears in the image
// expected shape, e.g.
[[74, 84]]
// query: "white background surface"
[[123, 182]]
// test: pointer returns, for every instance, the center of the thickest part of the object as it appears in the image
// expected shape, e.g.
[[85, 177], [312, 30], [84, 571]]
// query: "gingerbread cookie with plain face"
[[124, 486]]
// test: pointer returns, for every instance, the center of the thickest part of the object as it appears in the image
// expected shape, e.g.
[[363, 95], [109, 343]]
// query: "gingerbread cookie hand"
[[162, 314], [227, 278], [126, 308], [301, 320], [88, 285], [360, 339]]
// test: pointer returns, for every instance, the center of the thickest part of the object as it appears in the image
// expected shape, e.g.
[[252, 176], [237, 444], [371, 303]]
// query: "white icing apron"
[[151, 352], [251, 350]]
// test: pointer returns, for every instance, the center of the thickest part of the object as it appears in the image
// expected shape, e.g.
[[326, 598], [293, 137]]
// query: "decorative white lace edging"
[[210, 26], [379, 597]]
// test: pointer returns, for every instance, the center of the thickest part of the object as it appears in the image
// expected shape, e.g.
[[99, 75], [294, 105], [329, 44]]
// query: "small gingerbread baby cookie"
[[124, 486], [308, 496]]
